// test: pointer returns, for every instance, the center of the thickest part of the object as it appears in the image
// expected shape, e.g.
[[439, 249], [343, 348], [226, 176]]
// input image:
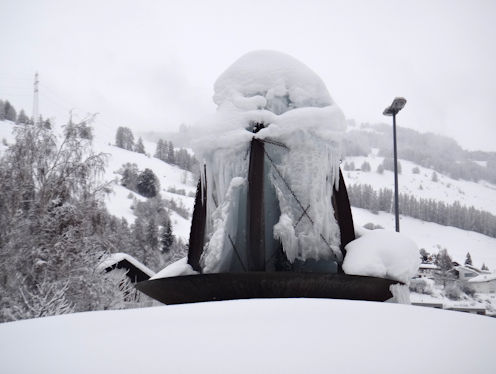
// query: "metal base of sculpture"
[[251, 285]]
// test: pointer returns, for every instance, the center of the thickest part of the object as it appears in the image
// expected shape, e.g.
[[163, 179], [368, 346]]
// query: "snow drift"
[[253, 336], [383, 254]]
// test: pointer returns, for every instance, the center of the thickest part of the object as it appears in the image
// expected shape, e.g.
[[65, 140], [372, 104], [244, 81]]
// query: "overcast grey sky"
[[151, 65]]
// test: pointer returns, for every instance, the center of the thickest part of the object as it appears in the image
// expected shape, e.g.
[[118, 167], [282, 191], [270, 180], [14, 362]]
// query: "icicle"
[[307, 227]]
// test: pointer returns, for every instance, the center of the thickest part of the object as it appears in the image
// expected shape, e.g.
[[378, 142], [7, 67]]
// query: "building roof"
[[115, 258], [468, 268], [429, 266], [483, 278]]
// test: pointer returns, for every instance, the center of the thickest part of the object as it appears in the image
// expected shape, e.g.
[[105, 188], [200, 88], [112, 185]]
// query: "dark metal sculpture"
[[300, 279]]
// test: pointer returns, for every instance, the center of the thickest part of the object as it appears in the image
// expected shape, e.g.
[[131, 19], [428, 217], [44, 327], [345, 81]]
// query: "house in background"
[[467, 272], [484, 283], [135, 270], [428, 270]]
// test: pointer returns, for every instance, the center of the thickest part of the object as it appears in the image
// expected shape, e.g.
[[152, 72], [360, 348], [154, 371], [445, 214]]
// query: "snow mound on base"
[[180, 267], [271, 80], [384, 254]]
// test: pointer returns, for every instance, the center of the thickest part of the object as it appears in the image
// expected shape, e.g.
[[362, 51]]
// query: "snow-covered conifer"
[[140, 148], [171, 157], [151, 233], [167, 237], [22, 117], [124, 138], [468, 259]]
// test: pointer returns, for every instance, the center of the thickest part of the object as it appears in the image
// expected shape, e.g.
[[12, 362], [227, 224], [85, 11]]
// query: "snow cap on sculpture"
[[270, 80]]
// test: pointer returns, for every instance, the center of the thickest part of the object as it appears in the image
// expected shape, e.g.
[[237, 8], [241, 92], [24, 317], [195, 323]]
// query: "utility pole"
[[35, 99]]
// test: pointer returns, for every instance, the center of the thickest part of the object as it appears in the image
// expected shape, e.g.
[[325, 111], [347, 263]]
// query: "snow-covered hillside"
[[433, 237], [427, 235], [253, 336], [120, 200], [481, 195], [170, 176]]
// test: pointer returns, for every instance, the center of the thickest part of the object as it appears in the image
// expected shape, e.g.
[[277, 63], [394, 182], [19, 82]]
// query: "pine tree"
[[139, 239], [140, 148], [434, 177], [365, 166], [22, 117], [159, 151], [2, 110], [171, 158], [10, 112], [468, 259], [151, 238], [484, 267], [167, 238]]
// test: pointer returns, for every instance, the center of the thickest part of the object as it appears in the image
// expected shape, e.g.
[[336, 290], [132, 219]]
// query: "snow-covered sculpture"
[[272, 216], [276, 129]]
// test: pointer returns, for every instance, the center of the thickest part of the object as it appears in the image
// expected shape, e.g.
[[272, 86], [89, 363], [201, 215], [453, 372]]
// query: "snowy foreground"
[[253, 336]]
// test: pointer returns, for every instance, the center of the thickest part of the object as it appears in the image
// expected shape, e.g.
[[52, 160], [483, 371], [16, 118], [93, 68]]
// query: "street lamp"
[[392, 110]]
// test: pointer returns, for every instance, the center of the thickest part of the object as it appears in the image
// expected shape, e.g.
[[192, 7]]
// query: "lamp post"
[[392, 110]]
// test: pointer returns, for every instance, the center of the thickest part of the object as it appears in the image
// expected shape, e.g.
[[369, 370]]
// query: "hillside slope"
[[433, 237], [120, 200], [480, 195]]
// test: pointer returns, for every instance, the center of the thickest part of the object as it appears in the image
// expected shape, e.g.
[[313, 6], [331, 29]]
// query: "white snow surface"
[[180, 267], [270, 80], [114, 258], [383, 254], [253, 336], [295, 107]]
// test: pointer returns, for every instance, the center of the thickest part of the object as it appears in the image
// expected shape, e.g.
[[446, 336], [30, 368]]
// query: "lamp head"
[[395, 107]]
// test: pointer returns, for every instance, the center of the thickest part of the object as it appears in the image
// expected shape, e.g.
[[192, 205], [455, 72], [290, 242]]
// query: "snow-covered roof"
[[483, 278], [473, 268], [270, 80], [428, 266], [115, 258], [467, 268]]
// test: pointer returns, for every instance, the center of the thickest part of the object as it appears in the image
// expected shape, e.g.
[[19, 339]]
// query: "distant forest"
[[429, 150], [465, 218]]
